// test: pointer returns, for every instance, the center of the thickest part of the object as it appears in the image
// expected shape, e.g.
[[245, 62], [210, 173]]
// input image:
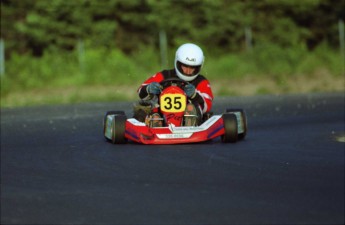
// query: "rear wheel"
[[119, 129], [244, 121], [230, 128], [110, 113]]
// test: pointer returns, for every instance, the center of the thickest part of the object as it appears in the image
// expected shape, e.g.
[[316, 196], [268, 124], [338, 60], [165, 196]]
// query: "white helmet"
[[190, 55]]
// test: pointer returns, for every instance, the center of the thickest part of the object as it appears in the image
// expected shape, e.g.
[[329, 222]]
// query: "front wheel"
[[230, 128]]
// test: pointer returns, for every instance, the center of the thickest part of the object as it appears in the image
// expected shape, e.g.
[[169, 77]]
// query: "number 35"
[[173, 103]]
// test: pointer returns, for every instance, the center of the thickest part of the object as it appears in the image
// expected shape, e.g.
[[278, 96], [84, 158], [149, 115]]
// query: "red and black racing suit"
[[203, 98]]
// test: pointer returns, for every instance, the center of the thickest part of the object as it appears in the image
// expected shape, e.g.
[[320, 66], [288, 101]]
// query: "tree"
[[217, 25]]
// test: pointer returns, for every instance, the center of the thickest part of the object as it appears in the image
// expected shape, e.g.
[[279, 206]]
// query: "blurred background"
[[58, 52]]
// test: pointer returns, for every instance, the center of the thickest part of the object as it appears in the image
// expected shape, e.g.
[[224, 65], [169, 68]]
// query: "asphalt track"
[[57, 168]]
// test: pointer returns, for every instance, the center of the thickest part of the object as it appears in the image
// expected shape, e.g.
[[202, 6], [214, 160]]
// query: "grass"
[[103, 75], [322, 81]]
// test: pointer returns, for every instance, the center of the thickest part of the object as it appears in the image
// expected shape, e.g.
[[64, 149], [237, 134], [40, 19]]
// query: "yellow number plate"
[[173, 103]]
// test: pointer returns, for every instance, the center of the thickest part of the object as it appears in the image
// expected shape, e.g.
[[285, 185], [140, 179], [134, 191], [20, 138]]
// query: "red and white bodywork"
[[139, 132]]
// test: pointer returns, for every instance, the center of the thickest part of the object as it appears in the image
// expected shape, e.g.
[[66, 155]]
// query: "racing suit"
[[203, 98]]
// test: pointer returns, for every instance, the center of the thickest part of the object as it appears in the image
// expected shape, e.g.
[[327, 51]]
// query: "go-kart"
[[231, 126]]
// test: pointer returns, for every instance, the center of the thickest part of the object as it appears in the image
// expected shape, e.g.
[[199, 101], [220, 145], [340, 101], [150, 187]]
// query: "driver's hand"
[[153, 88], [189, 89]]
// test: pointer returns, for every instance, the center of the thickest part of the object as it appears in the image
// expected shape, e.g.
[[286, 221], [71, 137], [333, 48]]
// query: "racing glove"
[[153, 88], [189, 89]]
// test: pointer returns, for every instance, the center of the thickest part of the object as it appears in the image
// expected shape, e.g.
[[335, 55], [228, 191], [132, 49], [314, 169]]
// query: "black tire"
[[244, 119], [119, 129], [119, 113], [230, 127], [111, 113]]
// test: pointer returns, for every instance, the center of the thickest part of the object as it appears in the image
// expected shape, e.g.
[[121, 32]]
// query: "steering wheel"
[[173, 81]]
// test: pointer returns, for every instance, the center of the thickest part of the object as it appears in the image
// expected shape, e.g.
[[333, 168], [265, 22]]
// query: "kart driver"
[[189, 60]]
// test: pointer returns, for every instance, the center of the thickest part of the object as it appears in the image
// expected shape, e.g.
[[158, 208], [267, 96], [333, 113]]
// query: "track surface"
[[56, 168]]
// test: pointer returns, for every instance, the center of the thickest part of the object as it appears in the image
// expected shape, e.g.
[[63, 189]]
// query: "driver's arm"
[[204, 96], [142, 90]]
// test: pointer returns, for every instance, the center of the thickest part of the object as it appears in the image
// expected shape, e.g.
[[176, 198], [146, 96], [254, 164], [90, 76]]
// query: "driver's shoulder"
[[199, 79]]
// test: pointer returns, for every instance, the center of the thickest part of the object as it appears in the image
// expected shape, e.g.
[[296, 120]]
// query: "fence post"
[[163, 48], [2, 57], [81, 55], [342, 41], [248, 38]]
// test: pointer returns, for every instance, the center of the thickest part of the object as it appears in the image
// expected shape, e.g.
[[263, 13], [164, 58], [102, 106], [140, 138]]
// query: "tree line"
[[33, 27]]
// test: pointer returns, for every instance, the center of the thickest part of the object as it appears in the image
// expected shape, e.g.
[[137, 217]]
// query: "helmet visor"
[[188, 70]]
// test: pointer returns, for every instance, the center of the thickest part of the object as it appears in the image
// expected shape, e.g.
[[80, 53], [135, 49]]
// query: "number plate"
[[173, 103]]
